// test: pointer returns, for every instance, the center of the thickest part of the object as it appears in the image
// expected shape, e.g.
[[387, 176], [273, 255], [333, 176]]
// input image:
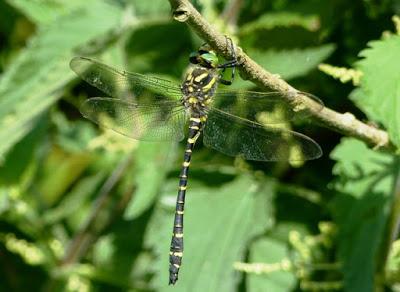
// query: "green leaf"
[[288, 64], [153, 7], [292, 63], [219, 222], [380, 95], [33, 82], [153, 160], [74, 199], [364, 182], [270, 251], [44, 12], [19, 159], [282, 19], [60, 170], [155, 52]]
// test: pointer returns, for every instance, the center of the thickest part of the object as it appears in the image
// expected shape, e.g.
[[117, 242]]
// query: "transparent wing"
[[234, 136], [252, 105], [161, 121], [124, 85]]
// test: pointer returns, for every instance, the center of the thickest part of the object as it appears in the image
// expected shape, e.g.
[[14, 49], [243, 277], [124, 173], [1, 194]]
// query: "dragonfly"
[[149, 108]]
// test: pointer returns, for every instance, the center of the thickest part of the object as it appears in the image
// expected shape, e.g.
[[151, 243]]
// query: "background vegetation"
[[85, 209]]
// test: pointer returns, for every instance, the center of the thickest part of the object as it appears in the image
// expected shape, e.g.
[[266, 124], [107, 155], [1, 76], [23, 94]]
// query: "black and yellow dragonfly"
[[152, 109]]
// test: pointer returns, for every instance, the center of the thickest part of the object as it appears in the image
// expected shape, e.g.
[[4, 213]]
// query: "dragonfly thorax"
[[198, 89]]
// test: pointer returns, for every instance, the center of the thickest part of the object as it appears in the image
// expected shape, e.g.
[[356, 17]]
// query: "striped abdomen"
[[176, 250]]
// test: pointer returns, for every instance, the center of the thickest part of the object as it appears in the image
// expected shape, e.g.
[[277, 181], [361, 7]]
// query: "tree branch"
[[346, 123]]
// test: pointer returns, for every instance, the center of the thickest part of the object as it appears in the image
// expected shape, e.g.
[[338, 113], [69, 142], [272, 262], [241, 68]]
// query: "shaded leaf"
[[288, 64], [20, 157], [73, 200], [364, 183], [60, 170]]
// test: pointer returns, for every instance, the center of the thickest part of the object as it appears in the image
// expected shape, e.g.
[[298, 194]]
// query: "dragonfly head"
[[205, 57]]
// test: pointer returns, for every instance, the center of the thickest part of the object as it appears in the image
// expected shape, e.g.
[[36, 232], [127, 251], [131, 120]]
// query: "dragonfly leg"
[[229, 64]]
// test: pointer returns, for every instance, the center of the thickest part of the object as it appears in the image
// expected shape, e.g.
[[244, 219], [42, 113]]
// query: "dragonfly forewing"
[[124, 85]]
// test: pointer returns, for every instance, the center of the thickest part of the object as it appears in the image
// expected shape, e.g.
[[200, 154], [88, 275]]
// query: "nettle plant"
[[83, 208]]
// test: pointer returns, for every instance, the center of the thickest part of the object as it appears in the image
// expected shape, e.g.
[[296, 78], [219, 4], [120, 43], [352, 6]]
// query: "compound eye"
[[194, 58], [210, 59]]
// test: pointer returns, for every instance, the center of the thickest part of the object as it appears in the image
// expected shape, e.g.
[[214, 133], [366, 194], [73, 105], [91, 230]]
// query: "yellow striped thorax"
[[198, 88]]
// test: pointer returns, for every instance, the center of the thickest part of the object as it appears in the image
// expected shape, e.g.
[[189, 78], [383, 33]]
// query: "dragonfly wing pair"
[[149, 108]]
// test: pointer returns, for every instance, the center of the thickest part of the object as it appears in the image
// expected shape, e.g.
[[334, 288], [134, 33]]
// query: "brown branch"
[[346, 123]]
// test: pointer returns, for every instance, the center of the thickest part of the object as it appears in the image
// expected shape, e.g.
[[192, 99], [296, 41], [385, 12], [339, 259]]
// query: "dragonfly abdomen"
[[176, 250]]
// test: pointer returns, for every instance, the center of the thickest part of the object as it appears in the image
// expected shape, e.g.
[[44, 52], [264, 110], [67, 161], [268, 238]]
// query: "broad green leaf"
[[364, 183], [152, 8], [219, 222], [79, 194], [155, 53], [44, 12], [152, 162], [292, 63], [270, 251], [380, 95], [288, 64], [33, 82], [282, 19], [60, 170], [23, 154]]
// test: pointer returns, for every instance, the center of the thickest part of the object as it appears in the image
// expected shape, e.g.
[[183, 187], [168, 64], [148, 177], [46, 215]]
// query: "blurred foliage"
[[85, 209]]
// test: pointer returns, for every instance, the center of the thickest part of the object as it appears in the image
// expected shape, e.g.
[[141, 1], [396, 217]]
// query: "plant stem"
[[392, 227], [84, 238]]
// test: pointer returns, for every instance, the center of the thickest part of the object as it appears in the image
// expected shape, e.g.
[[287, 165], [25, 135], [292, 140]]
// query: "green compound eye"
[[209, 59]]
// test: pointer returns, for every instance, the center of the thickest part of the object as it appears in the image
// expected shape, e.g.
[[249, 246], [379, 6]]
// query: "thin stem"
[[345, 124], [392, 226], [83, 239], [231, 12]]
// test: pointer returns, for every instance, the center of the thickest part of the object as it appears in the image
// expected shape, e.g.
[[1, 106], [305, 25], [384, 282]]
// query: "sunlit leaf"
[[380, 91], [44, 12], [33, 82], [270, 251]]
